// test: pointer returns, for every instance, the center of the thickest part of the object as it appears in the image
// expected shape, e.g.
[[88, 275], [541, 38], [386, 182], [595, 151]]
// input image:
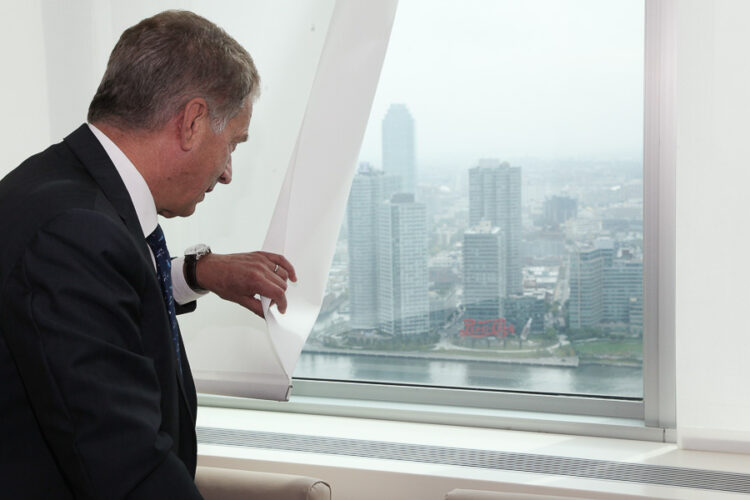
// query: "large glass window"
[[494, 229]]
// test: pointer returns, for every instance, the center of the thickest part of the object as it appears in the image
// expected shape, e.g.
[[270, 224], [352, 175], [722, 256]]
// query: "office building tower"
[[370, 188], [399, 152], [603, 288], [623, 281], [559, 209], [403, 282], [495, 195], [484, 272], [606, 247], [586, 285]]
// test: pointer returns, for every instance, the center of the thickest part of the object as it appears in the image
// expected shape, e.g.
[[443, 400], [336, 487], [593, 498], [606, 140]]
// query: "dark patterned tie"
[[164, 272]]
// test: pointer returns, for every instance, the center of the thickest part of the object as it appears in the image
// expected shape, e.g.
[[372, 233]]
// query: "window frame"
[[656, 411]]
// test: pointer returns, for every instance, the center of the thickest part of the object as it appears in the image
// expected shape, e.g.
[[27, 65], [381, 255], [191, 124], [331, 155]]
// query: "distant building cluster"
[[416, 263]]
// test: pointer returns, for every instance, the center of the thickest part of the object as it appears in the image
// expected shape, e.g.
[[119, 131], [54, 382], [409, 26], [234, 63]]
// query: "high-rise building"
[[495, 195], [587, 264], [403, 281], [586, 283], [484, 272], [559, 209], [399, 152], [622, 282], [603, 288], [370, 188]]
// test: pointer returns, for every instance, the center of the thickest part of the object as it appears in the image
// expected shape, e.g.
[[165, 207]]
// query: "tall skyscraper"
[[484, 272], [399, 152], [370, 188], [495, 195], [403, 281]]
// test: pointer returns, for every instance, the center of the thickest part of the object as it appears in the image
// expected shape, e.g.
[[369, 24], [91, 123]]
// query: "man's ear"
[[193, 122]]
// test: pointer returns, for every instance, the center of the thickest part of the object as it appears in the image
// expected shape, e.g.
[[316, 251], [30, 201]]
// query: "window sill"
[[467, 417]]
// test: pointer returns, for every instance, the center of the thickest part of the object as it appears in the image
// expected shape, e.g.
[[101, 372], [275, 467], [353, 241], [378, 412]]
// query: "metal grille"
[[485, 459]]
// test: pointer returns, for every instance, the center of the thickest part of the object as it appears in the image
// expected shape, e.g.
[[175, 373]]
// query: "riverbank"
[[424, 370], [562, 362]]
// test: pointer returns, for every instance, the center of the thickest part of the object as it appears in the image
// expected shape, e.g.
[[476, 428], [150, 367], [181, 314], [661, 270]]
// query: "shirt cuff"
[[181, 292]]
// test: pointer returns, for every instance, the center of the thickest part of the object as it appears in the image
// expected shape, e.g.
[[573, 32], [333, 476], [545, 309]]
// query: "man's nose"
[[226, 176]]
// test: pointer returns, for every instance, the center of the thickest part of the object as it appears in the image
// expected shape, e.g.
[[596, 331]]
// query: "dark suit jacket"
[[91, 402]]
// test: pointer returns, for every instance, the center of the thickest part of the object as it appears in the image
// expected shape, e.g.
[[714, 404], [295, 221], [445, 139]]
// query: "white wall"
[[713, 228], [24, 128]]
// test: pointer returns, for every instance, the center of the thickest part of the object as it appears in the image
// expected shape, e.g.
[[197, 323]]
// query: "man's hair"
[[163, 62]]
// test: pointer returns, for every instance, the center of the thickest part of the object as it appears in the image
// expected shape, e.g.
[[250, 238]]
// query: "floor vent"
[[486, 459]]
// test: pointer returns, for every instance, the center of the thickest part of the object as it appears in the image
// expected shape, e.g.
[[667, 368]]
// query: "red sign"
[[486, 328]]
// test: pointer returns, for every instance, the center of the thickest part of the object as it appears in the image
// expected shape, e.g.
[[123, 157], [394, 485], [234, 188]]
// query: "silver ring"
[[276, 268]]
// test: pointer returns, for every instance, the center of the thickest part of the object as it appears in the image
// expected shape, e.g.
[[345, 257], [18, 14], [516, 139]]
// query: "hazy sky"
[[515, 78]]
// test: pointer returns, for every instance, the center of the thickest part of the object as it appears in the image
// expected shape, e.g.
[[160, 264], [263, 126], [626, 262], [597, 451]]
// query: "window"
[[494, 231]]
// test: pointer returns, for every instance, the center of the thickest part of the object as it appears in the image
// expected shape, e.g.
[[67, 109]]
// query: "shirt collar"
[[140, 195]]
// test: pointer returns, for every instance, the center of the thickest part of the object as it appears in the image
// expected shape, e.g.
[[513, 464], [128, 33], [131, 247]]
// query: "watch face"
[[198, 250]]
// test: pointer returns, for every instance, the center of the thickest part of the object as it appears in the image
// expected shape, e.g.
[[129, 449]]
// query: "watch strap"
[[191, 261]]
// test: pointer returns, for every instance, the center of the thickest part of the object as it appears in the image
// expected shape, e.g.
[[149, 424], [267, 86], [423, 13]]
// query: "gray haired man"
[[96, 394]]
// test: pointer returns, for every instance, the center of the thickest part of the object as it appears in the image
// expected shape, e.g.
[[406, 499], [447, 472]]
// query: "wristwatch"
[[192, 256]]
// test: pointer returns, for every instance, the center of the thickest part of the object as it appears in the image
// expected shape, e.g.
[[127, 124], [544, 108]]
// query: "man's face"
[[212, 162]]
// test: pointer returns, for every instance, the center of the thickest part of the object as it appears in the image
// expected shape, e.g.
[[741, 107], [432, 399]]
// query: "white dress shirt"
[[145, 209]]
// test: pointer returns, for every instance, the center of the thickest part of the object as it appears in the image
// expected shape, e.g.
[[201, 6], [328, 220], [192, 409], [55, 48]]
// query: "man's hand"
[[239, 277]]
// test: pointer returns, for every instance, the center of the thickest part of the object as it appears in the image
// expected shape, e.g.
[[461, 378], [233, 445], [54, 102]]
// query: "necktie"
[[158, 246]]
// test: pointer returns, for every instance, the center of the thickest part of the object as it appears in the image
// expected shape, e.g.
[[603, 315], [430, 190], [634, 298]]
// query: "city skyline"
[[529, 123], [387, 239]]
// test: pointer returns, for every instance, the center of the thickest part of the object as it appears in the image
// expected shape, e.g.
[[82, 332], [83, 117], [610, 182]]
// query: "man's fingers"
[[253, 304], [282, 273], [256, 306], [282, 263], [280, 301], [279, 278], [274, 290], [242, 277]]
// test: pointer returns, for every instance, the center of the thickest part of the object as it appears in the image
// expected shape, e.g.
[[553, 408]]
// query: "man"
[[96, 395]]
